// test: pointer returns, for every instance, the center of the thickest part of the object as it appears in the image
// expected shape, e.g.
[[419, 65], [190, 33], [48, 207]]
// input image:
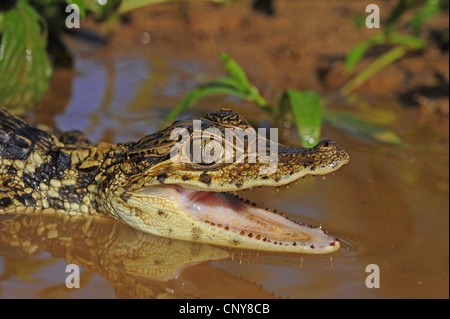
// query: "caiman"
[[141, 184]]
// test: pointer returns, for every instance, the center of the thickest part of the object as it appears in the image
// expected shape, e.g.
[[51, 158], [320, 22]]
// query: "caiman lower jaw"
[[226, 220]]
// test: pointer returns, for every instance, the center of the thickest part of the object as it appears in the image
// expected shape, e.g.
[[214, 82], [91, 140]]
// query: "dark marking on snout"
[[162, 213], [161, 178], [205, 178], [196, 232]]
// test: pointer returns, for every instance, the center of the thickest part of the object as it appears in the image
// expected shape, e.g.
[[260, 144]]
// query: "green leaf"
[[426, 12], [134, 4], [411, 42], [308, 114], [358, 127], [221, 86], [81, 6], [235, 72], [400, 8], [25, 69], [236, 85], [357, 53], [109, 9]]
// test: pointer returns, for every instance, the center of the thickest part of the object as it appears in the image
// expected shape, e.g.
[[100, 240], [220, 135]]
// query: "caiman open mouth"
[[233, 217], [232, 213]]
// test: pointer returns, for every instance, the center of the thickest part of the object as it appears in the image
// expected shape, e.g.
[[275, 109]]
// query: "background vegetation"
[[31, 43]]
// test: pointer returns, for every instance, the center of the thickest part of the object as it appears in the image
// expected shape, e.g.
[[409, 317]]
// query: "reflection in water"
[[122, 255], [99, 95]]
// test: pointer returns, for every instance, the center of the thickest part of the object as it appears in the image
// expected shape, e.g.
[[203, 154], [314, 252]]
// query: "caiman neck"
[[90, 165]]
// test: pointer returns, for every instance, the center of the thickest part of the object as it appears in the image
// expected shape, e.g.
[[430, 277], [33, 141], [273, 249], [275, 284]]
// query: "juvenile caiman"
[[140, 183]]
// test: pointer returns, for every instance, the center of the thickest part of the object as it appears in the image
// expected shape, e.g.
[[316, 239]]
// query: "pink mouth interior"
[[225, 210]]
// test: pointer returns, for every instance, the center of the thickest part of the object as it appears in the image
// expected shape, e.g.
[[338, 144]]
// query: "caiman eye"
[[212, 152], [209, 156]]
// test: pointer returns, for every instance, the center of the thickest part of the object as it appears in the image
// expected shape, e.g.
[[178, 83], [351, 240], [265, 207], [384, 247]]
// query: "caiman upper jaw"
[[324, 158], [292, 163]]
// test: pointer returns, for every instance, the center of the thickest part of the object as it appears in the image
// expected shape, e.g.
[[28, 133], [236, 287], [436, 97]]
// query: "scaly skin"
[[143, 185]]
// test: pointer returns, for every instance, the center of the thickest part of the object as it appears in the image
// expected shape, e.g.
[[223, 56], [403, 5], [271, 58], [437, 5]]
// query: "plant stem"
[[386, 59]]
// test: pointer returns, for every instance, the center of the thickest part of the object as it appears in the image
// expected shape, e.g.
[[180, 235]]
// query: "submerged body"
[[146, 185]]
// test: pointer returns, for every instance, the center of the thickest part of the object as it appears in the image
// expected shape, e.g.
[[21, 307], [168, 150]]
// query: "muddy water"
[[388, 206]]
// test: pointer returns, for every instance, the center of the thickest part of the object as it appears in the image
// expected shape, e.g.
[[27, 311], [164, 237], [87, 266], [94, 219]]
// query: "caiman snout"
[[330, 155]]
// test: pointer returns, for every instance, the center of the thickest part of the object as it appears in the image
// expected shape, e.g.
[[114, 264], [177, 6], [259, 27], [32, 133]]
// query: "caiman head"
[[179, 182]]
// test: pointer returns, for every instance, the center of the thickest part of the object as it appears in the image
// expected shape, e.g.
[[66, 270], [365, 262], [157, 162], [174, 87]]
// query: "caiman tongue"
[[226, 210]]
